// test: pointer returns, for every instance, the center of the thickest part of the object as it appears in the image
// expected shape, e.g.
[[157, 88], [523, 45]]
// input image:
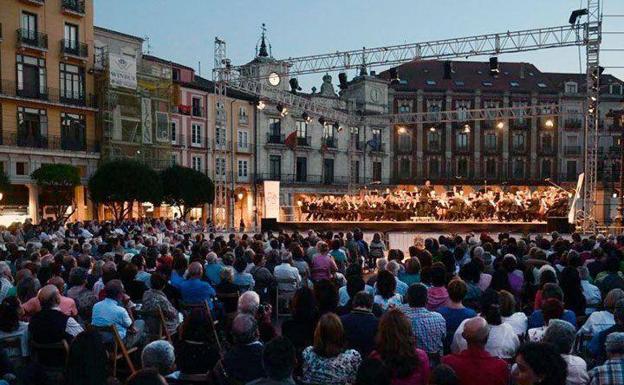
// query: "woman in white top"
[[516, 319], [603, 319], [502, 341], [386, 290], [11, 328], [561, 335]]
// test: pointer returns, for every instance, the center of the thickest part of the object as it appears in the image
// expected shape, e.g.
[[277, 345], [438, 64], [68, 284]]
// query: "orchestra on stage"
[[424, 204]]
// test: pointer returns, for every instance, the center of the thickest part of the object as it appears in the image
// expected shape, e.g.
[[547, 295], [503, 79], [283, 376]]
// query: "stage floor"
[[423, 226]]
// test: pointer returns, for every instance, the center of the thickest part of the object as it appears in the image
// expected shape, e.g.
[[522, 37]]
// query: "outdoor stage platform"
[[415, 226]]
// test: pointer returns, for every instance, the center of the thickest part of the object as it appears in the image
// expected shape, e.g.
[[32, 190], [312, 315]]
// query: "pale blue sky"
[[184, 30]]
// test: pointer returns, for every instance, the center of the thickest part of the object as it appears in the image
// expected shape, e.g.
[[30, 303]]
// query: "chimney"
[[521, 70]]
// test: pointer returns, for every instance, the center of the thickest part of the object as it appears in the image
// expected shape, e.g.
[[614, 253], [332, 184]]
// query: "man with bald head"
[[67, 305], [243, 361], [475, 366], [193, 289], [50, 325]]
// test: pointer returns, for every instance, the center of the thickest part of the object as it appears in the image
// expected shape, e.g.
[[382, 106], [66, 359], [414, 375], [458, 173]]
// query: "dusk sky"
[[184, 30]]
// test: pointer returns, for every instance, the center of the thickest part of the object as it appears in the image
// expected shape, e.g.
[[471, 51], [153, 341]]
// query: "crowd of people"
[[155, 302], [400, 205]]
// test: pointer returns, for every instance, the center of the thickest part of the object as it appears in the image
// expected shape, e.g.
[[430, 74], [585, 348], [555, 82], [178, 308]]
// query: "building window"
[[302, 169], [175, 74], [405, 167], [302, 129], [72, 82], [243, 118], [174, 159], [31, 77], [376, 132], [462, 107], [571, 88], [29, 26], [242, 169], [514, 84], [355, 171], [571, 170], [517, 141], [404, 106], [615, 89], [405, 142], [275, 126], [433, 140], [328, 171], [73, 132], [275, 167], [434, 167], [376, 171], [196, 139], [196, 163], [196, 107], [242, 140], [546, 168], [518, 169], [174, 131], [32, 128], [71, 37], [490, 141], [547, 143], [461, 140], [490, 168], [20, 168], [462, 167], [220, 135], [433, 110]]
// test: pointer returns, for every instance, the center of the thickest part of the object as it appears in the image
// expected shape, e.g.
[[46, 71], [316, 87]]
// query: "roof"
[[559, 79], [164, 61], [470, 75], [118, 33]]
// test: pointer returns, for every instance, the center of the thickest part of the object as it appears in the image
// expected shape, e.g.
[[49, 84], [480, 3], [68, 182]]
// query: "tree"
[[57, 183], [185, 187], [119, 183]]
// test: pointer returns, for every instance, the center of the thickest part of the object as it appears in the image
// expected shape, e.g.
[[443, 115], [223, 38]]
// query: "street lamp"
[[242, 222]]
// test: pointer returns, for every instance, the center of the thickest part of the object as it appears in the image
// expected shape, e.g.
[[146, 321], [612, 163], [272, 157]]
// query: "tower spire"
[[263, 52]]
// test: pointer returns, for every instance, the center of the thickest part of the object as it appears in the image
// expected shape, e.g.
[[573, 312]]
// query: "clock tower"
[[369, 92]]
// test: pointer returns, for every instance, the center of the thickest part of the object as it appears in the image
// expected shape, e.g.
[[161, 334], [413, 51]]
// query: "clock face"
[[274, 79], [375, 95]]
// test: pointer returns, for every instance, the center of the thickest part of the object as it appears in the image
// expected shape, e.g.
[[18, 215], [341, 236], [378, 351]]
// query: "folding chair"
[[119, 350], [42, 353], [226, 298], [155, 324]]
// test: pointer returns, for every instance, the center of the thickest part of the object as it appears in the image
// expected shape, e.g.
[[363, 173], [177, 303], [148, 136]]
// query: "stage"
[[418, 226]]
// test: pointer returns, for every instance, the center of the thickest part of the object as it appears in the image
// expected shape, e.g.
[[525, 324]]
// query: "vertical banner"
[[146, 120], [271, 199]]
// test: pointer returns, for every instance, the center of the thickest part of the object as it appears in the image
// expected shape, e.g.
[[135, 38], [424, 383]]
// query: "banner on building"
[[146, 120], [122, 71], [271, 199]]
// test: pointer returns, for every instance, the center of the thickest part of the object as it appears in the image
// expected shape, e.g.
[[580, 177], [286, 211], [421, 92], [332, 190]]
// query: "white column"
[[33, 202]]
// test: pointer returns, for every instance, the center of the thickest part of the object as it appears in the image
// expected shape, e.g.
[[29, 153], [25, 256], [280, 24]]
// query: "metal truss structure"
[[587, 33]]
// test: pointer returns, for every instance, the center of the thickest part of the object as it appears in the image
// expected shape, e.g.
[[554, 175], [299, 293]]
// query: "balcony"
[[465, 149], [358, 145], [521, 124], [47, 95], [572, 150], [521, 150], [178, 140], [73, 7], [275, 139], [305, 141], [379, 147], [615, 150], [404, 149], [198, 111], [243, 120], [573, 123], [34, 2], [62, 143], [243, 147], [32, 39], [433, 147], [198, 141], [307, 179], [330, 142], [546, 150], [74, 49]]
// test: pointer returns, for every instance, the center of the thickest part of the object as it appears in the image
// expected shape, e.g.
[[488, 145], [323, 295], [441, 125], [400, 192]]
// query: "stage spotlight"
[[432, 129], [401, 130], [593, 98], [576, 14], [260, 105], [342, 79], [466, 128], [394, 76], [500, 125], [294, 85], [282, 110], [549, 123], [306, 117], [494, 70], [337, 127], [322, 121], [614, 195]]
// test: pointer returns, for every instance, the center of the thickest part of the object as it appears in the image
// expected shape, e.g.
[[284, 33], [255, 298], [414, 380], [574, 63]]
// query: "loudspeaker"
[[268, 224], [559, 224]]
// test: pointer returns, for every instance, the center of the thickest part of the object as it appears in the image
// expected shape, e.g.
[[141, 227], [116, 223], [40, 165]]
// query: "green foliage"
[[183, 186], [125, 181], [57, 182]]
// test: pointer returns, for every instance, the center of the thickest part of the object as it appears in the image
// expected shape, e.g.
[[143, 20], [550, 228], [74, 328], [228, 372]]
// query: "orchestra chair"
[[284, 297], [58, 350], [155, 325], [229, 297], [116, 348]]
